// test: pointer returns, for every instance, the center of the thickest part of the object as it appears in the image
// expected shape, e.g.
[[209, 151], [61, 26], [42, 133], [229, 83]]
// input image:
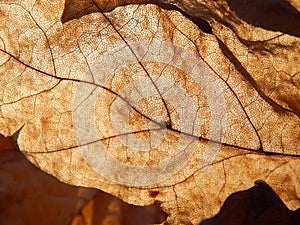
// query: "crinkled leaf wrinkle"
[[139, 99]]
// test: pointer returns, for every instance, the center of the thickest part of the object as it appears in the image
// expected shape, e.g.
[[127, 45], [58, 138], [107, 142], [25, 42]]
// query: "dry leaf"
[[141, 103]]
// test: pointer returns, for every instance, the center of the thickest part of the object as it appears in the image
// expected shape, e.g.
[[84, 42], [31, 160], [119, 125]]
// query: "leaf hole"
[[202, 24]]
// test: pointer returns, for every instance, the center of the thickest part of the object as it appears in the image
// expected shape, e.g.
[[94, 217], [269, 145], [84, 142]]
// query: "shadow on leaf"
[[259, 205], [277, 15]]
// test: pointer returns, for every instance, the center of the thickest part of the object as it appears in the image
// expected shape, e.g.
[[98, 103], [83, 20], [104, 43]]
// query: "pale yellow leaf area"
[[142, 104]]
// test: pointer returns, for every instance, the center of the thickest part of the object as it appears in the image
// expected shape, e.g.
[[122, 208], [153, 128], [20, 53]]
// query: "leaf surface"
[[140, 103]]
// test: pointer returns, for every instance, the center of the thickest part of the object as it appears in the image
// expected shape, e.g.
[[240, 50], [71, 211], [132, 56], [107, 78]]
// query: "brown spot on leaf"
[[153, 194]]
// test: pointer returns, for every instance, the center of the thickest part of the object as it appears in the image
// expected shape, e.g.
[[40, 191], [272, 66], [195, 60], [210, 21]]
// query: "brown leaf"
[[139, 101]]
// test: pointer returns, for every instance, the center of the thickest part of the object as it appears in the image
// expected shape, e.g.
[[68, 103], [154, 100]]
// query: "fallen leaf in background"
[[51, 71], [30, 196], [105, 209]]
